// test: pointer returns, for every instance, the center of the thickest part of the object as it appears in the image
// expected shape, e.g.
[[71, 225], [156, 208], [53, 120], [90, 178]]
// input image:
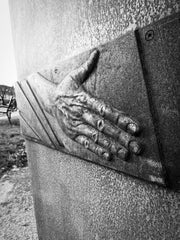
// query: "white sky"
[[8, 74]]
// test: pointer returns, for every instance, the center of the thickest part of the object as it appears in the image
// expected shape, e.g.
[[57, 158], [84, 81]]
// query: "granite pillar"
[[75, 199]]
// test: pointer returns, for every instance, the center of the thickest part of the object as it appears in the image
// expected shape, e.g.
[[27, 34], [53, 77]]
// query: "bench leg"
[[9, 116]]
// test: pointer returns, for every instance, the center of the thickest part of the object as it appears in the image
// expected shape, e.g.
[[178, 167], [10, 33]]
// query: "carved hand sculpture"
[[89, 121]]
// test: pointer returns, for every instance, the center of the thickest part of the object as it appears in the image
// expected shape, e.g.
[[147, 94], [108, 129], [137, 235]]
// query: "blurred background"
[[17, 219], [11, 142], [7, 61]]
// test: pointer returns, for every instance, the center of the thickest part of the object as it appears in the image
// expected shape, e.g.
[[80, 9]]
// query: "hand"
[[89, 121]]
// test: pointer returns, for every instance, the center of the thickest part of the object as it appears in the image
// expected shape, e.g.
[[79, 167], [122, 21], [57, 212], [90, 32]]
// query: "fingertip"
[[135, 147], [127, 123], [95, 54], [107, 156], [95, 51], [123, 153], [133, 128]]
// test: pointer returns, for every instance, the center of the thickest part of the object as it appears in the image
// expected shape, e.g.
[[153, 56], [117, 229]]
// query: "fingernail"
[[107, 156], [134, 147], [122, 153], [95, 52], [133, 127]]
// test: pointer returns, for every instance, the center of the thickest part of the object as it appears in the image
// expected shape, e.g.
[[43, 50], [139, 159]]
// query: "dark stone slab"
[[120, 82], [161, 61]]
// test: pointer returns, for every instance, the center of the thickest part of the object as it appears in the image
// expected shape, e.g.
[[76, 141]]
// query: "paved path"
[[17, 221]]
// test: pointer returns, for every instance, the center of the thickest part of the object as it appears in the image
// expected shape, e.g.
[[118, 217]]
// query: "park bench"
[[7, 109]]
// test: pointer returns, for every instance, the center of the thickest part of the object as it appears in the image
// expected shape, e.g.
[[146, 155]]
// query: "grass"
[[12, 145]]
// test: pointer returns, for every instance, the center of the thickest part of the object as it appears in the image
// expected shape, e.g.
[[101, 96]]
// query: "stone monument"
[[98, 96]]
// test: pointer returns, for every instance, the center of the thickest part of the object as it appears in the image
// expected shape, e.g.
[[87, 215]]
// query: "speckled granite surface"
[[79, 200], [46, 31], [76, 199]]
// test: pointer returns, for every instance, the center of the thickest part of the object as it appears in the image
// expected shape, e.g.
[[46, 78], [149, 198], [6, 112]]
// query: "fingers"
[[116, 117], [124, 138], [99, 138], [101, 131], [89, 144], [81, 74], [114, 147], [128, 124]]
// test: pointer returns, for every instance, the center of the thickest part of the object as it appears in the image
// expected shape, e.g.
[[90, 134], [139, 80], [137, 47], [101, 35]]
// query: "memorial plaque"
[[115, 105]]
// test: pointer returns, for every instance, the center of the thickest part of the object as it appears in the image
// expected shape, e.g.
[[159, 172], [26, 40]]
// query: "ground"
[[12, 144], [17, 220]]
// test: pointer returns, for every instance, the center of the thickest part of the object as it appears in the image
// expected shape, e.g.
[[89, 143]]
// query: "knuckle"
[[95, 136], [114, 148], [82, 140], [125, 138], [135, 147], [106, 143], [100, 124], [122, 153], [102, 109], [86, 143], [102, 153], [82, 98]]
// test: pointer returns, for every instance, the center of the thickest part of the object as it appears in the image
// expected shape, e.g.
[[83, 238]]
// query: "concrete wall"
[[75, 199]]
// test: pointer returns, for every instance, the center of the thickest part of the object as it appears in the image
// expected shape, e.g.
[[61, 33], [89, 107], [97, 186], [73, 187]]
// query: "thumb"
[[80, 74]]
